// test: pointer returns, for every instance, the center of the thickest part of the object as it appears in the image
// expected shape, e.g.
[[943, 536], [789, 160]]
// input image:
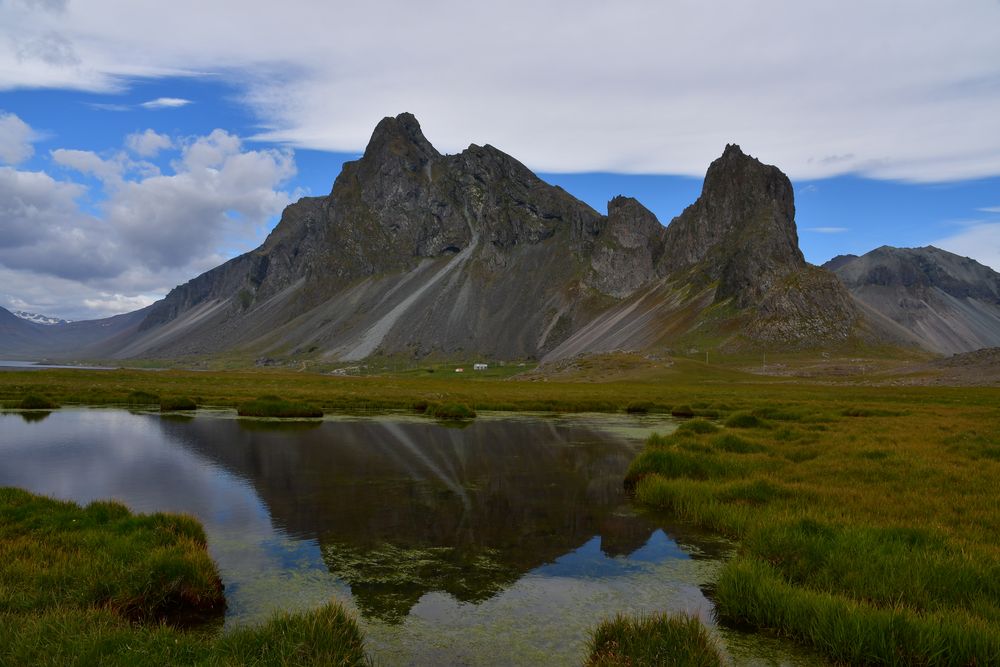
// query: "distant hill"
[[946, 303], [21, 338], [39, 319]]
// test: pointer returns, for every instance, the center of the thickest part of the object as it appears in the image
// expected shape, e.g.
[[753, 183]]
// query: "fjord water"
[[500, 543]]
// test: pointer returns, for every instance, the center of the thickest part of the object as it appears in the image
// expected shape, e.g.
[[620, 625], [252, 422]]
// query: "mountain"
[[417, 253], [943, 302], [39, 319], [88, 339]]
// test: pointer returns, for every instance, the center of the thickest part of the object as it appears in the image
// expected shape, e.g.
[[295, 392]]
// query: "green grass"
[[682, 411], [99, 585], [698, 426], [874, 540], [177, 403], [36, 402], [450, 411], [273, 406], [55, 555], [658, 639], [139, 397], [745, 420]]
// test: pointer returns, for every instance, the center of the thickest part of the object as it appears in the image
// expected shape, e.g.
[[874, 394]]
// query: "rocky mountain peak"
[[632, 224], [741, 228], [402, 139]]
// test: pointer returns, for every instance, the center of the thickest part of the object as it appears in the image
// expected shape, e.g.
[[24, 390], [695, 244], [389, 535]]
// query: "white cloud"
[[106, 304], [90, 163], [15, 139], [165, 103], [45, 231], [990, 209], [980, 241], [827, 230], [104, 106], [148, 143], [152, 231], [819, 88]]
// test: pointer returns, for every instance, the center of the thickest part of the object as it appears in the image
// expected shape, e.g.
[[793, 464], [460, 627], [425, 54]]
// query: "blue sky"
[[140, 146]]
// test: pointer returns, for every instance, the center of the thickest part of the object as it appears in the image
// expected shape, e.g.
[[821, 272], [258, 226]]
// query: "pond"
[[504, 542]]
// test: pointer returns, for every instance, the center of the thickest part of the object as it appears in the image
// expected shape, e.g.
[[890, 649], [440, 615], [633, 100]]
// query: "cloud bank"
[[87, 252], [887, 90]]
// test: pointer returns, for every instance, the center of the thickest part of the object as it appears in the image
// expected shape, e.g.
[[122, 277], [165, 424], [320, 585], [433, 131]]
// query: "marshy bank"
[[99, 585], [869, 534]]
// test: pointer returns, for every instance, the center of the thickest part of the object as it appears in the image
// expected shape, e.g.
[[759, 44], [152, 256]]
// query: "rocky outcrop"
[[944, 302], [628, 250], [740, 234]]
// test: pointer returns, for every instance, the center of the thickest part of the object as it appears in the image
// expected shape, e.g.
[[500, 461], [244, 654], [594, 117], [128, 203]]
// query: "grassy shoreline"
[[99, 585], [687, 385], [870, 535]]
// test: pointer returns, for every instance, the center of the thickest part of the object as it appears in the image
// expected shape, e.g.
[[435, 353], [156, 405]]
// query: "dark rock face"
[[628, 250], [743, 220], [946, 303], [741, 234]]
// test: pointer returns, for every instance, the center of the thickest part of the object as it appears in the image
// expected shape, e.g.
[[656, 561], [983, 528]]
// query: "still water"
[[499, 543]]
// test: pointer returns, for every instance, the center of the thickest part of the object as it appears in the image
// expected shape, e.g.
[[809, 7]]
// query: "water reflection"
[[34, 415], [403, 509], [506, 538]]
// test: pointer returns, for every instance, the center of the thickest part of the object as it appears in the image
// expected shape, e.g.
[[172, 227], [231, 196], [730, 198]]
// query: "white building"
[[479, 367]]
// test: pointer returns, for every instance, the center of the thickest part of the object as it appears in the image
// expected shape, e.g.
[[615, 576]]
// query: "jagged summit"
[[397, 143], [745, 205]]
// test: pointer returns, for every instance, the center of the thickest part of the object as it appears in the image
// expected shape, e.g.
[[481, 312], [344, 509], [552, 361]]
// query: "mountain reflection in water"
[[516, 526]]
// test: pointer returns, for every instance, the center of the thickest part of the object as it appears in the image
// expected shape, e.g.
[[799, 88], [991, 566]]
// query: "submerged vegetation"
[[99, 585]]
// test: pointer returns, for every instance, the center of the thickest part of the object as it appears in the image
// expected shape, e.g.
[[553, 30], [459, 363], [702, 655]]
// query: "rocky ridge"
[[415, 253]]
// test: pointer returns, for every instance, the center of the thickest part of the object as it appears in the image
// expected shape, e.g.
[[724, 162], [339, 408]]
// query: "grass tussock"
[[139, 397], [745, 420], [450, 411], [276, 407], [177, 403], [657, 639], [875, 541], [36, 402], [682, 411], [99, 585], [734, 444], [699, 425], [57, 554]]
